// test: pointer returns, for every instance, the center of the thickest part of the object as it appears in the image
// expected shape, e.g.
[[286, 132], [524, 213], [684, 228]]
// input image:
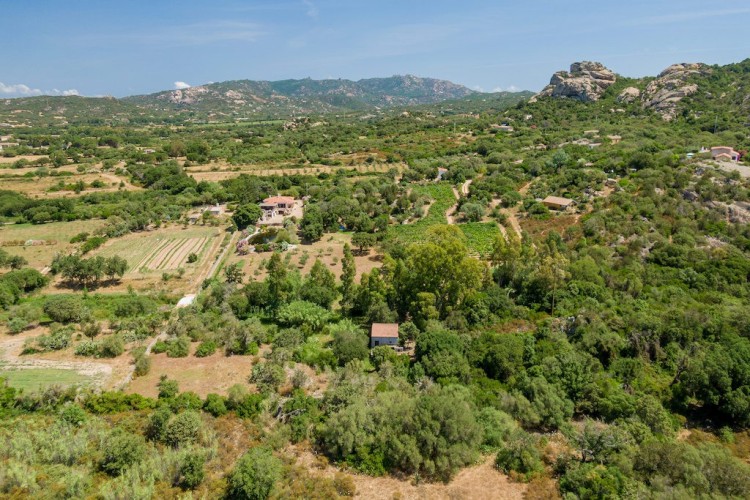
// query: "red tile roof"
[[387, 330], [279, 199]]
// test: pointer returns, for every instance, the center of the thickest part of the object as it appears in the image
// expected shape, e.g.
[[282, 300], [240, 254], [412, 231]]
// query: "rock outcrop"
[[670, 87], [586, 81], [630, 94]]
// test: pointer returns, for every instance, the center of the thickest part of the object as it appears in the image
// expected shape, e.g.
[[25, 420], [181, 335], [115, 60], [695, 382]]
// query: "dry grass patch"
[[215, 373], [60, 233]]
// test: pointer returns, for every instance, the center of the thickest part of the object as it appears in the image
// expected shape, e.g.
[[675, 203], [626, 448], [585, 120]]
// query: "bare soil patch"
[[216, 373]]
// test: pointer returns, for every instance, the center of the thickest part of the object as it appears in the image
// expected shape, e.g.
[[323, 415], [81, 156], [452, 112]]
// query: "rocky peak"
[[586, 81], [670, 87]]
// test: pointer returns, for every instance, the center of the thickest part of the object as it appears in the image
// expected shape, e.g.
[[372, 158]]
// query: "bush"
[[192, 257], [178, 348], [206, 348], [57, 340], [183, 429], [254, 476], [112, 346], [17, 325], [121, 450], [267, 376], [142, 365], [167, 388], [191, 473], [87, 348], [519, 457], [72, 414], [215, 405], [65, 309], [159, 347]]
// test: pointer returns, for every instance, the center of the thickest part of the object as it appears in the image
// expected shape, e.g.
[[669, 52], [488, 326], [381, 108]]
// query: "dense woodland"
[[605, 355]]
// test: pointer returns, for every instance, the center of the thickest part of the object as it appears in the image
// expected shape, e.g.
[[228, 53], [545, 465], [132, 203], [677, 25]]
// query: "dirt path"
[[512, 213], [202, 275], [450, 213]]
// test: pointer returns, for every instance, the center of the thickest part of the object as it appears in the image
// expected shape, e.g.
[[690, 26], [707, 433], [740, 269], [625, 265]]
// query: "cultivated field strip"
[[170, 253]]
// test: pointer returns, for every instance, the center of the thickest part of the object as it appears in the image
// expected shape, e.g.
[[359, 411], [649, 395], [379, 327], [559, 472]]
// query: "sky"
[[121, 47]]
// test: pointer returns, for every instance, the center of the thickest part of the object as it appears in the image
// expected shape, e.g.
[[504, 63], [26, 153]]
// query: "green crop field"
[[39, 378], [480, 236]]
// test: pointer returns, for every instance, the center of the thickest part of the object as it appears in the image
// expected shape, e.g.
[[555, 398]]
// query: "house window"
[[377, 343]]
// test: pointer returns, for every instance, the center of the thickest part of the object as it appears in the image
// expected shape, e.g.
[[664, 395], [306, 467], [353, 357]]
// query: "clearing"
[[478, 482], [55, 235]]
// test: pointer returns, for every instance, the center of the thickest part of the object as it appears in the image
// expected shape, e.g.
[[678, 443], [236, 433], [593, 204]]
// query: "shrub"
[[142, 365], [178, 348], [192, 257], [519, 457], [156, 429], [72, 414], [17, 325], [215, 405], [134, 305], [206, 348], [57, 340], [159, 347], [267, 376], [183, 429], [254, 476], [167, 388], [112, 346], [121, 450], [191, 473], [87, 348], [65, 309]]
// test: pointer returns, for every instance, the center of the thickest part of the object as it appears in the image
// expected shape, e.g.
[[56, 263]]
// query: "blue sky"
[[132, 47]]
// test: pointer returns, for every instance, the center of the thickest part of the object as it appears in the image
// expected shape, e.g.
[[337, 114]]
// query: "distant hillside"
[[307, 96]]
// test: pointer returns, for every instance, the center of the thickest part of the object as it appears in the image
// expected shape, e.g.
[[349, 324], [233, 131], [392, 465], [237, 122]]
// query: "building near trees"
[[557, 203], [383, 334]]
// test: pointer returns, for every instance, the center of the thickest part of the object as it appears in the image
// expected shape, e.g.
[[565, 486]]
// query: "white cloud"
[[511, 88], [181, 85], [22, 90], [312, 10]]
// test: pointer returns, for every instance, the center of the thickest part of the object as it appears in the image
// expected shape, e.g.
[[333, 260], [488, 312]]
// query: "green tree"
[[254, 476], [246, 215]]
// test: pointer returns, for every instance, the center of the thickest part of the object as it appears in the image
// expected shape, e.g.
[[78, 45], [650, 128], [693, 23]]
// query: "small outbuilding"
[[383, 334], [557, 203]]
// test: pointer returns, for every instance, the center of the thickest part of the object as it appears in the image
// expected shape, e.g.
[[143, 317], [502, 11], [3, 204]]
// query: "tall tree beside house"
[[246, 215]]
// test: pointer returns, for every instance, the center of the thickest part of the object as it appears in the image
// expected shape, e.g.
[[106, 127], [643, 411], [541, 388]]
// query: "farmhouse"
[[557, 203], [383, 334], [724, 153], [277, 205]]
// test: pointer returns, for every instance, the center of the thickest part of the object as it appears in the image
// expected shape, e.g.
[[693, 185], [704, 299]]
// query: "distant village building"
[[557, 203], [277, 205], [724, 153], [383, 334]]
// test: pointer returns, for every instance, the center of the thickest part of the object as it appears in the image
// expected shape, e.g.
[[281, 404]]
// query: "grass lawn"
[[480, 236], [33, 379]]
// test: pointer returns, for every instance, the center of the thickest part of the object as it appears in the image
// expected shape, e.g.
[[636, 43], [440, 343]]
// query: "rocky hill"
[[305, 96], [693, 91]]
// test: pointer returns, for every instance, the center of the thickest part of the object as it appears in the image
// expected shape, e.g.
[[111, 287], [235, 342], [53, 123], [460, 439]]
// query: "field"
[[152, 254], [40, 256], [443, 197], [40, 378], [39, 187], [480, 235]]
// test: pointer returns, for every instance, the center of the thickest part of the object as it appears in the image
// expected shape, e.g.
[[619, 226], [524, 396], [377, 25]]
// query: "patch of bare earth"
[[477, 482], [215, 373]]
